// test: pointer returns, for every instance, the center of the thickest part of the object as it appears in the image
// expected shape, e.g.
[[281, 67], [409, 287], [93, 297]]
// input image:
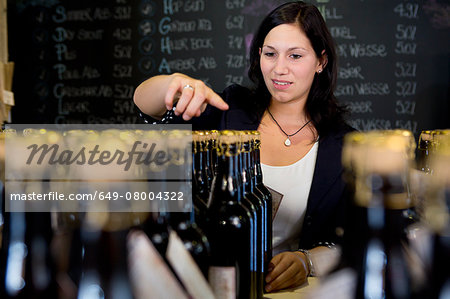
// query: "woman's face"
[[288, 63]]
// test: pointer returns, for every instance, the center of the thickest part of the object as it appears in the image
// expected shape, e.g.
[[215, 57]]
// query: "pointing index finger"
[[215, 100]]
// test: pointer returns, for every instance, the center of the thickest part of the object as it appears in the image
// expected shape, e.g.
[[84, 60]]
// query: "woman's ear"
[[323, 60], [260, 51]]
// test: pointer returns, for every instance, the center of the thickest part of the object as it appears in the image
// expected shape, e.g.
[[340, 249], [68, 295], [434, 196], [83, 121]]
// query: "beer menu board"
[[390, 54], [80, 61]]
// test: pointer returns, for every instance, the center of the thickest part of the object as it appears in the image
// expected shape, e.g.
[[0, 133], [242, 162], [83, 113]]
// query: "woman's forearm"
[[149, 95], [158, 94]]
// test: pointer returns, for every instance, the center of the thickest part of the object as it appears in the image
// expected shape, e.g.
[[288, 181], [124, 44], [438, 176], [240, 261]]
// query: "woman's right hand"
[[193, 96], [287, 269]]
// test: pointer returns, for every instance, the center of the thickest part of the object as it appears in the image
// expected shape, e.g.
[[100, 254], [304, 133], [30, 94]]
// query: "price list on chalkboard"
[[176, 36], [94, 50], [204, 39], [80, 61], [89, 56], [75, 61], [384, 54]]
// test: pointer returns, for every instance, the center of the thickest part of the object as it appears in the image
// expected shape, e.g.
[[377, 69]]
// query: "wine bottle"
[[104, 266], [183, 221], [409, 147], [206, 166], [200, 176], [254, 202], [230, 227], [28, 269], [115, 247], [212, 149], [374, 260], [265, 194], [437, 219], [156, 225]]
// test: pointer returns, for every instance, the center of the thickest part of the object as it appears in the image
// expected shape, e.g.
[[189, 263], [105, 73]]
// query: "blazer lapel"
[[327, 170]]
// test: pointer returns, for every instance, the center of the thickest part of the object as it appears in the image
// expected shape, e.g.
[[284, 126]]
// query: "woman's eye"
[[269, 54], [296, 56]]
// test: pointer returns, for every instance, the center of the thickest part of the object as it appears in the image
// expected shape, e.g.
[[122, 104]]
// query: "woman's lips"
[[281, 84]]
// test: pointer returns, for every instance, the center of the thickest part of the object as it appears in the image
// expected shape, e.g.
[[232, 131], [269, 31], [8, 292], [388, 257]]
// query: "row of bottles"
[[88, 253], [238, 217], [225, 230], [389, 248], [236, 206]]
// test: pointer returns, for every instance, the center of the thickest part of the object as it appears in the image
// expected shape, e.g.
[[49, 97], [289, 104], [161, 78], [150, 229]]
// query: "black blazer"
[[324, 217]]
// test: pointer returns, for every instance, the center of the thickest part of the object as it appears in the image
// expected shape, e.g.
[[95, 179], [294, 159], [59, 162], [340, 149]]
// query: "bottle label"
[[149, 274], [223, 282], [187, 270]]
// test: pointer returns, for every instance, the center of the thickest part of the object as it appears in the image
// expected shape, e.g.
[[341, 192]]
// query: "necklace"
[[287, 142]]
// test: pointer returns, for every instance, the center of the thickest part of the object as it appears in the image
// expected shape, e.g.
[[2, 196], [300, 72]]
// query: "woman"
[[293, 66]]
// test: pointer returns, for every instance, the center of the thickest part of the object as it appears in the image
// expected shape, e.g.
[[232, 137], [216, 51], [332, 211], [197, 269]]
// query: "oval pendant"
[[287, 142]]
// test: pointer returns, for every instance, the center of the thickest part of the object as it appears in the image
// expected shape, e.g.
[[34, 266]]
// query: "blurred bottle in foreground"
[[27, 267], [437, 218], [375, 260]]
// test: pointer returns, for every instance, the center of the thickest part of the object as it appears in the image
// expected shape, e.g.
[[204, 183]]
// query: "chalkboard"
[[80, 61]]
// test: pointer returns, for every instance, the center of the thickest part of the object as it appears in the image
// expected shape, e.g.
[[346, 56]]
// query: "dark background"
[[80, 61]]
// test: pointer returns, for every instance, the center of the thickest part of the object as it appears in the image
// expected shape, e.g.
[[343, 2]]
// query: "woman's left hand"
[[286, 270]]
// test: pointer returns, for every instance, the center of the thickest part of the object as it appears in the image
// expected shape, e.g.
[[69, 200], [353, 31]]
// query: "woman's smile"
[[281, 84]]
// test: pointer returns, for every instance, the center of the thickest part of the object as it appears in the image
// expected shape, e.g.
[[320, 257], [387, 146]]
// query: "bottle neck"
[[206, 153], [206, 166], [227, 184], [213, 156], [247, 169], [195, 158], [202, 175], [257, 171]]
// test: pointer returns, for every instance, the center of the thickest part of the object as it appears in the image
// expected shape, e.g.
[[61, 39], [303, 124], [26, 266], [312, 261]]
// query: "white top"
[[294, 182]]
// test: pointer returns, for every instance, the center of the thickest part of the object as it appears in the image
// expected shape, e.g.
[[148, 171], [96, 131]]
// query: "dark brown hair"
[[321, 106]]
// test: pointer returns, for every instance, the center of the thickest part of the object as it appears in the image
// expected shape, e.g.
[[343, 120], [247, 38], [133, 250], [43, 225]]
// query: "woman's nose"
[[280, 67]]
